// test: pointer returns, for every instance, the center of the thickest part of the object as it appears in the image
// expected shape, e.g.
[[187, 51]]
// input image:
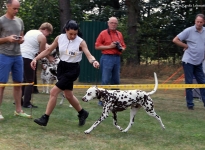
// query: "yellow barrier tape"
[[138, 86], [122, 86], [16, 84]]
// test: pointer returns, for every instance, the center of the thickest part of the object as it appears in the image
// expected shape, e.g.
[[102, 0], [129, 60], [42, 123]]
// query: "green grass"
[[184, 128]]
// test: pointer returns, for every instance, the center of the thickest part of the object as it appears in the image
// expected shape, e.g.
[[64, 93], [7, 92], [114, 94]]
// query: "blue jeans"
[[110, 68], [191, 71]]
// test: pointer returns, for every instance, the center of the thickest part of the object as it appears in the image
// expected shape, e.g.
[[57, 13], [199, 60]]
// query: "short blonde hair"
[[47, 26]]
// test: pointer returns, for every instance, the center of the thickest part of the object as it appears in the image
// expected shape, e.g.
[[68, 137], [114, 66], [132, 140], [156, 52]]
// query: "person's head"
[[199, 21], [112, 23], [71, 29], [46, 28], [12, 7]]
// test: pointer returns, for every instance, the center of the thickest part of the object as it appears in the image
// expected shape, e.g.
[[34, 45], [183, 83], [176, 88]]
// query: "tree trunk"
[[133, 12], [65, 12]]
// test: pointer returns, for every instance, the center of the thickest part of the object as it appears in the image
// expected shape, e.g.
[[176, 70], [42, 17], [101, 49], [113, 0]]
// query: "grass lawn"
[[184, 128]]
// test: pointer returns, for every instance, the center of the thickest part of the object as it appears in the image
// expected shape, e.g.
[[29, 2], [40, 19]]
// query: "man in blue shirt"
[[194, 52]]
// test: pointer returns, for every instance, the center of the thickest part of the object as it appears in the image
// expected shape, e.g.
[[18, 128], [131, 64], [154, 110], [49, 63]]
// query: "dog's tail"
[[156, 85]]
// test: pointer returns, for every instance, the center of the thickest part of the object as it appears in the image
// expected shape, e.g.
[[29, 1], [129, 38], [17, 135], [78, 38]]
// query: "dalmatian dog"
[[117, 100], [48, 73]]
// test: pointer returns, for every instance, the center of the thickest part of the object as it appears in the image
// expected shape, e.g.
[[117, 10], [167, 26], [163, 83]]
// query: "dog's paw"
[[61, 102], [86, 132], [124, 131]]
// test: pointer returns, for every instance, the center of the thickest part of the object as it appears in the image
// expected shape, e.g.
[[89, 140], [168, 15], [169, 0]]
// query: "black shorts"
[[67, 73]]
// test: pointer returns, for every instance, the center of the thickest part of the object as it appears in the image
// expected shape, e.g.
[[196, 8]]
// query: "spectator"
[[11, 36], [111, 44], [34, 42], [71, 47], [193, 56]]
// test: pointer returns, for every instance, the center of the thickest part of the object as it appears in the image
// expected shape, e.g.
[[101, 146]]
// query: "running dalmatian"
[[117, 100]]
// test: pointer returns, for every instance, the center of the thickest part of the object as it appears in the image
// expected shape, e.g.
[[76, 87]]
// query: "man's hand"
[[112, 45], [33, 64], [15, 39]]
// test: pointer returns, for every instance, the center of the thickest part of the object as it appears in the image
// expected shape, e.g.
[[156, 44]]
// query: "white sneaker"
[[1, 117]]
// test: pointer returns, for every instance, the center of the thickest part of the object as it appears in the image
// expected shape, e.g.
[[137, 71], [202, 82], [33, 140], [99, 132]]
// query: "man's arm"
[[178, 42], [42, 42], [10, 39], [21, 38], [103, 47], [99, 43]]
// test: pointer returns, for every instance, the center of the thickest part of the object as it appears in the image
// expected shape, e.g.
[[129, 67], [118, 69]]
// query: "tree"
[[2, 6], [33, 13], [133, 17], [65, 11]]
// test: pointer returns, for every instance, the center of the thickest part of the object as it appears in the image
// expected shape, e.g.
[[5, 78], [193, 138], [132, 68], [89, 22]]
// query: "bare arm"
[[21, 38], [178, 42], [42, 42], [12, 39], [44, 53], [90, 57]]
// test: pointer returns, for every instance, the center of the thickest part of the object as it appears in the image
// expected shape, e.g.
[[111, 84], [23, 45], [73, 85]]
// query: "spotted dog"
[[49, 70], [117, 100], [48, 73]]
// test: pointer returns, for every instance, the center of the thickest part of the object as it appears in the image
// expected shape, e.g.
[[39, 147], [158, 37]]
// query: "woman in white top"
[[34, 42], [71, 47]]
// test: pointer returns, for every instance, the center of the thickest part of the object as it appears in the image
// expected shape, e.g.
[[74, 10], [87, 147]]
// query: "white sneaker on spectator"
[[1, 117]]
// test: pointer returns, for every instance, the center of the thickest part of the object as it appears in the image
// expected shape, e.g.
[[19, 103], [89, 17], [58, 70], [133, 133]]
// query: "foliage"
[[97, 9], [2, 7], [33, 13], [161, 21], [148, 30]]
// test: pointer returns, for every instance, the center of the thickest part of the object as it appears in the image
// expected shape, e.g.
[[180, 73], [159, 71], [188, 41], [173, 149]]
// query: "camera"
[[118, 46]]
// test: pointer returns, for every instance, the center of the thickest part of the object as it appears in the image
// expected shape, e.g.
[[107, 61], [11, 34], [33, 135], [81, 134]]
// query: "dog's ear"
[[98, 94], [101, 93]]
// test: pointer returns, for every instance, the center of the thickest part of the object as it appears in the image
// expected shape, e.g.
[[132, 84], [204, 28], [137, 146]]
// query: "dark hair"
[[71, 24]]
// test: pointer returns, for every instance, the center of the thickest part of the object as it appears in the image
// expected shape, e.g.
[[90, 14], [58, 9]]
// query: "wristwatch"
[[93, 61]]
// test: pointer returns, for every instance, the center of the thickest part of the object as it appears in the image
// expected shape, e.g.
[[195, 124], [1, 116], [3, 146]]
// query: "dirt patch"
[[146, 71]]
